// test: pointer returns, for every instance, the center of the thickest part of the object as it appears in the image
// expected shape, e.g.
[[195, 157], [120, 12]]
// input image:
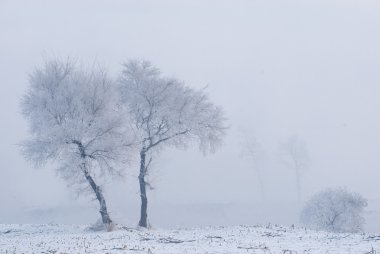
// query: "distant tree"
[[252, 150], [166, 113], [336, 210], [295, 156], [76, 124]]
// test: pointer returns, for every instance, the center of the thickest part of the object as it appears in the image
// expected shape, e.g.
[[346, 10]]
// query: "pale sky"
[[278, 68]]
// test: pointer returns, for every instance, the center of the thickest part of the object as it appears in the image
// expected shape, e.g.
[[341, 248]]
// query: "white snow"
[[52, 238]]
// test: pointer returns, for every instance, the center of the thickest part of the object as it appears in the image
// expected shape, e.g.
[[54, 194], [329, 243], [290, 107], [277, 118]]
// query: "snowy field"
[[51, 238]]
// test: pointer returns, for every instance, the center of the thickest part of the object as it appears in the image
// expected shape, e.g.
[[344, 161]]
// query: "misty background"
[[278, 68]]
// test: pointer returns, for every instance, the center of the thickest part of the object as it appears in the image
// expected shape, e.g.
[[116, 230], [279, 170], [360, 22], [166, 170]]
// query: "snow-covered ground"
[[269, 239]]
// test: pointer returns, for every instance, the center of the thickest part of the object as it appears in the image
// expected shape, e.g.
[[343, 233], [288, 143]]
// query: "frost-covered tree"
[[335, 210], [294, 154], [165, 112], [76, 124]]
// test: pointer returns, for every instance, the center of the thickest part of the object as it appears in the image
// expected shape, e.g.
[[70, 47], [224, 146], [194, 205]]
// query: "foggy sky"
[[278, 68]]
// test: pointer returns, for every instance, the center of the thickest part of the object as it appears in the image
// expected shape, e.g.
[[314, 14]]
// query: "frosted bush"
[[335, 210]]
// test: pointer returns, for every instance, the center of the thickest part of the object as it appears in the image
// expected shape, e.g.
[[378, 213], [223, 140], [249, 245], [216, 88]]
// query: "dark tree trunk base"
[[102, 202], [98, 191], [144, 200]]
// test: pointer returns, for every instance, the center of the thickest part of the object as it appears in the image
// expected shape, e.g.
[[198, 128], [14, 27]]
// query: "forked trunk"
[[144, 200]]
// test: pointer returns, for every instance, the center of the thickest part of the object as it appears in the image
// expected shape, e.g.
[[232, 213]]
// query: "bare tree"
[[295, 155], [336, 210], [76, 124], [165, 113], [251, 149]]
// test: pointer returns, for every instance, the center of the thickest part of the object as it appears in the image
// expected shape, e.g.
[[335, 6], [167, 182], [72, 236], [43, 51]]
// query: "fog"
[[278, 68]]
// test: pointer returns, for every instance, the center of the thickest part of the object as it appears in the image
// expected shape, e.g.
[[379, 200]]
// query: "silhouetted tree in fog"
[[165, 113], [251, 150], [295, 155]]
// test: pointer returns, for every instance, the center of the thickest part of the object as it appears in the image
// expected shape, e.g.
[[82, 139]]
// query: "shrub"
[[335, 210]]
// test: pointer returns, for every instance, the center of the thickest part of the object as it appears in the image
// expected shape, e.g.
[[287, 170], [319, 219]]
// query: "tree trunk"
[[98, 191], [261, 184], [102, 202], [144, 200], [298, 183]]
